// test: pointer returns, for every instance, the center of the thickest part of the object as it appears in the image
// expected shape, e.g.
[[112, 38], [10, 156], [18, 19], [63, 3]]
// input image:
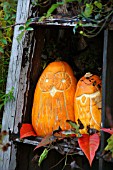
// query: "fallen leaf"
[[48, 139], [89, 145], [27, 131]]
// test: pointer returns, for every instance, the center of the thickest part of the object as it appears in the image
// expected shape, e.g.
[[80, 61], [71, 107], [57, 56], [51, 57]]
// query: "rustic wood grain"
[[23, 12]]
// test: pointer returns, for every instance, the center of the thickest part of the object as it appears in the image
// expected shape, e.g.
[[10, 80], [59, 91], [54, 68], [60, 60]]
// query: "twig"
[[58, 163], [1, 28]]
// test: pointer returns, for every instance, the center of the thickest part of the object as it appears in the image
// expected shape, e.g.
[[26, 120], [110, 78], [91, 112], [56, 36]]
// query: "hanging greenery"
[[89, 13]]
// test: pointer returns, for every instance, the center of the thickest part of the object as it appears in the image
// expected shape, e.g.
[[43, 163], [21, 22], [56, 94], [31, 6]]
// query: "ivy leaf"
[[89, 145], [98, 4], [88, 10], [108, 130], [29, 29], [43, 156], [4, 41], [21, 28], [52, 8], [1, 50], [28, 22], [27, 130]]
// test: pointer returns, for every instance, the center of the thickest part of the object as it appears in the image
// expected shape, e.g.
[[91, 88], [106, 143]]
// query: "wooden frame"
[[23, 55]]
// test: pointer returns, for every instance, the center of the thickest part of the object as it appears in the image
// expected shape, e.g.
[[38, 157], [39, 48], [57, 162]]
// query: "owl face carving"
[[54, 99], [52, 83], [88, 100]]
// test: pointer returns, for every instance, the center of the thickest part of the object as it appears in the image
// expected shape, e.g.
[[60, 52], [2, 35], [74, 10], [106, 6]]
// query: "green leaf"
[[110, 144], [98, 4], [71, 1], [75, 126], [52, 8], [21, 28], [43, 156], [28, 22], [20, 36], [4, 41], [29, 29], [1, 50], [88, 10]]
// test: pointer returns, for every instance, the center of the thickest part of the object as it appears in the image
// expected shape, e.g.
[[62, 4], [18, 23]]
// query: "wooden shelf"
[[68, 22]]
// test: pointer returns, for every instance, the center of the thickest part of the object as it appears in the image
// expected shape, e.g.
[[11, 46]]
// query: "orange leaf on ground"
[[27, 130], [108, 130], [89, 145]]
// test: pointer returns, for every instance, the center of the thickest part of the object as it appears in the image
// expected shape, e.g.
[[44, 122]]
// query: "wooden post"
[[8, 158]]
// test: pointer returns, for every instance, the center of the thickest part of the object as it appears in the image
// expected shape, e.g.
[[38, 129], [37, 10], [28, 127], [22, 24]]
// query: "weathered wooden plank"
[[23, 84], [33, 74], [13, 81]]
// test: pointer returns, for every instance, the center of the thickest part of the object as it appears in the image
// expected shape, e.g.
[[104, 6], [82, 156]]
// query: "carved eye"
[[46, 82], [62, 81]]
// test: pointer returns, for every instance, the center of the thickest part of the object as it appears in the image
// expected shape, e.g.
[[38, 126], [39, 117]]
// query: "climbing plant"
[[7, 19]]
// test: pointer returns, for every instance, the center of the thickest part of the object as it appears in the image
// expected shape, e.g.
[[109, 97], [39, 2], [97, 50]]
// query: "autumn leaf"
[[27, 130], [48, 139], [108, 130], [89, 145]]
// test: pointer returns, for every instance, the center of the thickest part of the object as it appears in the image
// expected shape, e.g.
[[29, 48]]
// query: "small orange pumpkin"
[[87, 102], [54, 99]]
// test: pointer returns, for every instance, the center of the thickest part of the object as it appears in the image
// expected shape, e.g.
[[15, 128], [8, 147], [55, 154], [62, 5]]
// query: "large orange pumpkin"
[[87, 104], [54, 99]]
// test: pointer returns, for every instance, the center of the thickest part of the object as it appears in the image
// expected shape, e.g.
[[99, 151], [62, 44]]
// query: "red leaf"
[[48, 139], [89, 145], [108, 130], [27, 130]]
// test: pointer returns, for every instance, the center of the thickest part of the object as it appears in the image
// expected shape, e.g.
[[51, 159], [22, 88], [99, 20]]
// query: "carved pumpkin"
[[88, 102], [54, 99]]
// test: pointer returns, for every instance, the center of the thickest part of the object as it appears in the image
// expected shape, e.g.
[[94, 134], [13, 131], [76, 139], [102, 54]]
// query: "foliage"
[[43, 156], [6, 98], [88, 143], [7, 19], [24, 28], [109, 146], [94, 13], [27, 130]]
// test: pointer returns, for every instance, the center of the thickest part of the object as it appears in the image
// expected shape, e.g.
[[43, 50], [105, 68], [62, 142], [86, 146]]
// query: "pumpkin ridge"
[[91, 112]]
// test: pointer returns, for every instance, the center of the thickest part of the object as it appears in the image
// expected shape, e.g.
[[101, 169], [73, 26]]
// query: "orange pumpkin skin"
[[87, 102], [54, 99]]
